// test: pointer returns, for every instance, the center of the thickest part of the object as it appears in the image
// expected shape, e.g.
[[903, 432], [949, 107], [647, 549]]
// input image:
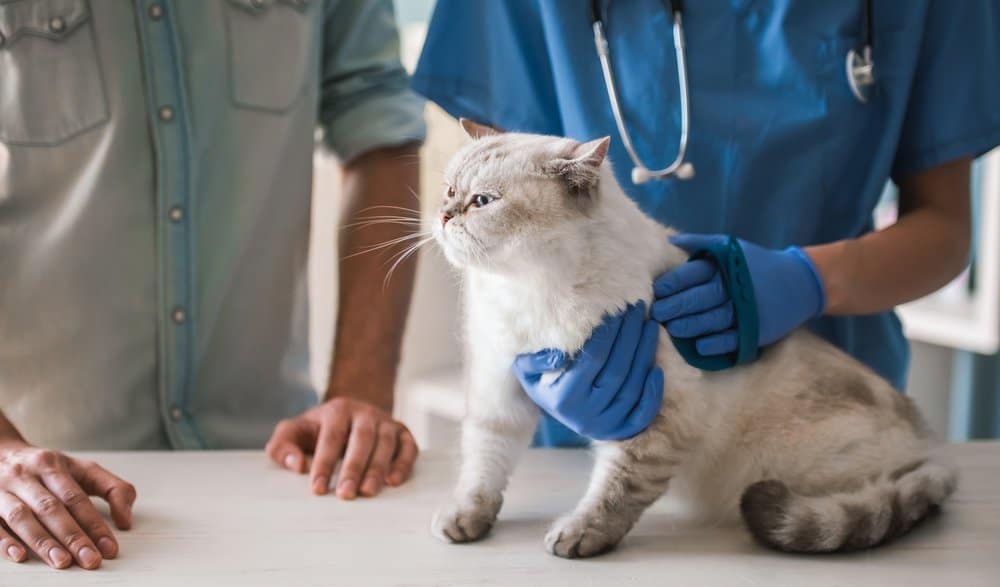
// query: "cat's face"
[[507, 194]]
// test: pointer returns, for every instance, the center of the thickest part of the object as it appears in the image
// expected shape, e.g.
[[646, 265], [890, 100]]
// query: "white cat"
[[818, 452]]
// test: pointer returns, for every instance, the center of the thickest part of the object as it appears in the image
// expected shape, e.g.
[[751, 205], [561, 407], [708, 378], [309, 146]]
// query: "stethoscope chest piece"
[[860, 73]]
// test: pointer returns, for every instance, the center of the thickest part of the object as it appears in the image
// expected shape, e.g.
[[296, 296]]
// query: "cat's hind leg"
[[628, 477]]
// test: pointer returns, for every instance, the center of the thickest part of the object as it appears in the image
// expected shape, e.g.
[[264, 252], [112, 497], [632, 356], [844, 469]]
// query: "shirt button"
[[176, 214], [166, 113], [57, 25], [155, 11], [178, 315], [176, 414]]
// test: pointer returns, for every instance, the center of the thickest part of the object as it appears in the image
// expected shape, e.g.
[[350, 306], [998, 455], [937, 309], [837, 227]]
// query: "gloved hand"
[[612, 389], [692, 301]]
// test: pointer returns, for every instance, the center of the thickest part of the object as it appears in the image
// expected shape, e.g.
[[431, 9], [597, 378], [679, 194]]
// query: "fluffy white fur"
[[821, 453]]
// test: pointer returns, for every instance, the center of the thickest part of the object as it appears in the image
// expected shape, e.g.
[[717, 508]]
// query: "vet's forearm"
[[927, 247]]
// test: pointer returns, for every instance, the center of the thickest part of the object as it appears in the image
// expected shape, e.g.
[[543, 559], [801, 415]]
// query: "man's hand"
[[376, 449], [45, 507]]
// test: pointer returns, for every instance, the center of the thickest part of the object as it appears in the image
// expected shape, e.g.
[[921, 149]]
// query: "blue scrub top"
[[784, 153]]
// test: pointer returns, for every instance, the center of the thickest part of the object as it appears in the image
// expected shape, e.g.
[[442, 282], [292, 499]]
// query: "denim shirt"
[[155, 194]]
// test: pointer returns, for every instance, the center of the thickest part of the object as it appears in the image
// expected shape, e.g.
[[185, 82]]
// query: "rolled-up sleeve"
[[365, 100]]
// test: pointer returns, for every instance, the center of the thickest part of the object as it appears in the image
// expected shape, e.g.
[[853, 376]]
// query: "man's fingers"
[[19, 517], [406, 455], [54, 515], [359, 449], [11, 547], [80, 507], [329, 446], [96, 480], [385, 446], [286, 444]]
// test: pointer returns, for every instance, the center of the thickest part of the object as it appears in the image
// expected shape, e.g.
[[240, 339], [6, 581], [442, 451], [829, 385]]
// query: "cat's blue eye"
[[480, 200]]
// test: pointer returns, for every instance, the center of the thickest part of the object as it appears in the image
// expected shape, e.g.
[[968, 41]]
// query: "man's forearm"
[[922, 251], [372, 312]]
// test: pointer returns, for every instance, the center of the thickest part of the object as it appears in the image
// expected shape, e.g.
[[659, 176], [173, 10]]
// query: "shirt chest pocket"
[[270, 52], [51, 87]]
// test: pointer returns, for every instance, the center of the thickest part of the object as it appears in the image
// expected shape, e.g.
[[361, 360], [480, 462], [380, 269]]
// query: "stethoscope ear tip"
[[685, 171]]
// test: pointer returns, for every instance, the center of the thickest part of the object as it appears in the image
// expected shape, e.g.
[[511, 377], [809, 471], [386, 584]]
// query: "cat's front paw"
[[468, 519], [577, 537]]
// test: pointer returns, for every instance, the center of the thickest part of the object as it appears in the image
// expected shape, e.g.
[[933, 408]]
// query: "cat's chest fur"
[[561, 309]]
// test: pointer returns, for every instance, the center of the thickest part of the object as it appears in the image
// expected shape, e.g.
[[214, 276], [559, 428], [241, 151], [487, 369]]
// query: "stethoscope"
[[860, 77]]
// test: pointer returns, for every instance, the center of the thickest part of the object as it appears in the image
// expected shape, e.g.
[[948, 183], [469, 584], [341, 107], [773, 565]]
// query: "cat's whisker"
[[377, 220], [388, 243], [389, 207], [402, 257]]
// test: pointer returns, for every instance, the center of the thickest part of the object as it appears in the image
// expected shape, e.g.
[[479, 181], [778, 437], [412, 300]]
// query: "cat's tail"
[[873, 514]]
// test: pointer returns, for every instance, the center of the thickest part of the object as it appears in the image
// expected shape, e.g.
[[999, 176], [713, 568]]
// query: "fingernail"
[[347, 490], [15, 552], [107, 546], [290, 462], [89, 557], [369, 487], [393, 479], [59, 557], [320, 486]]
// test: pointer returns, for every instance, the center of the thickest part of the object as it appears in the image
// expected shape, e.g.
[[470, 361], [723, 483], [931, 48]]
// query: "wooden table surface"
[[230, 518]]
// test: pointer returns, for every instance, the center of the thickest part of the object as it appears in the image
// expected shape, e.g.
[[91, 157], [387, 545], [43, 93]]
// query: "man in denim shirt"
[[155, 194]]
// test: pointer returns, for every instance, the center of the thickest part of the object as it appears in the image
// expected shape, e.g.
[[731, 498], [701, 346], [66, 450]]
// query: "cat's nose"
[[445, 217]]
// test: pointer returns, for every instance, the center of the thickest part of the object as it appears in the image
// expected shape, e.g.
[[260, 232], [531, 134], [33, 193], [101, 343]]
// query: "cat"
[[816, 451]]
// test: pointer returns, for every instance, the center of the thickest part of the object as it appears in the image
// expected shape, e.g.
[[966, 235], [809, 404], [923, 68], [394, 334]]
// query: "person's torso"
[[784, 153], [155, 180]]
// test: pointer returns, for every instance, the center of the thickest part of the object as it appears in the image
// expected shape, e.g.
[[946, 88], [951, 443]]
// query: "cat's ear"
[[476, 130], [582, 168]]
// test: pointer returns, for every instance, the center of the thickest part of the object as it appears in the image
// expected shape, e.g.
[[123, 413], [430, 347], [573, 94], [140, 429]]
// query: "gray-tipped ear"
[[476, 130], [583, 167]]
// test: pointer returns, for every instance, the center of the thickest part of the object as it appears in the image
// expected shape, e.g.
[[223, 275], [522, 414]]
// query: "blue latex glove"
[[612, 389], [692, 301]]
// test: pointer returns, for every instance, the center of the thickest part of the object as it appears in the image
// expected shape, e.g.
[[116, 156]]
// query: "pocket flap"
[[260, 6], [52, 19]]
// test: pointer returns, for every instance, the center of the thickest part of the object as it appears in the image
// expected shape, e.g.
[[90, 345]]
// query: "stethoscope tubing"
[[860, 71]]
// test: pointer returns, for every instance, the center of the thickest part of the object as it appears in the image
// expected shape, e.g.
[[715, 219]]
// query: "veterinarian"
[[796, 115], [155, 193]]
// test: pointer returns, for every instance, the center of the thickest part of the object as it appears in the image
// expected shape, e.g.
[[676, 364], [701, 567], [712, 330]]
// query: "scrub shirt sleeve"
[[488, 61], [954, 104], [365, 97]]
